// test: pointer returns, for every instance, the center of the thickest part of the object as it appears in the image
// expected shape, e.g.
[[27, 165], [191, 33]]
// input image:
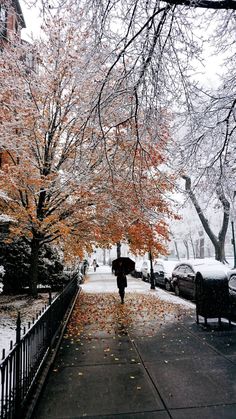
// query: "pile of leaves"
[[95, 313]]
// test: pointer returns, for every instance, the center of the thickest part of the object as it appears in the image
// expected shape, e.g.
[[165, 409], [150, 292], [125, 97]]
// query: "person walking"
[[121, 282], [94, 265]]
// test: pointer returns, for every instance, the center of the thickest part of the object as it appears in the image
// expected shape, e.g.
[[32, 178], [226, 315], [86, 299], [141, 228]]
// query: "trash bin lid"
[[211, 275]]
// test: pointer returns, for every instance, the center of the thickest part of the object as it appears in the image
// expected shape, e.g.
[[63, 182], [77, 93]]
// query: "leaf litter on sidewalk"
[[104, 313]]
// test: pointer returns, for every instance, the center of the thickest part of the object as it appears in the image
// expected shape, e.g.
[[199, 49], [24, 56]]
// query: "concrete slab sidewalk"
[[179, 370]]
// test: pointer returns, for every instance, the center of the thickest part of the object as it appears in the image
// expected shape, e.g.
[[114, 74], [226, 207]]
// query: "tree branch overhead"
[[206, 4]]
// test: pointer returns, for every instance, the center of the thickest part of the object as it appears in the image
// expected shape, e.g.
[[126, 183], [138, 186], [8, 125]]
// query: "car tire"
[[167, 286], [176, 289]]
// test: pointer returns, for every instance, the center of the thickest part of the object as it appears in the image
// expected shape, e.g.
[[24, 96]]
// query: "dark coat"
[[121, 279]]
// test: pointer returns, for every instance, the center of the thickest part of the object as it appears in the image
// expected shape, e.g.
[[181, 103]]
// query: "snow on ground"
[[103, 281], [9, 308]]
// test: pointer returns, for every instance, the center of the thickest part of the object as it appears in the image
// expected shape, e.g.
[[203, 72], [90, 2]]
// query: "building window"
[[3, 21]]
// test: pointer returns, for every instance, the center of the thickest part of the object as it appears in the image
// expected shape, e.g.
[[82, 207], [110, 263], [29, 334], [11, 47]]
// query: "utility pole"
[[151, 271], [118, 249], [233, 243]]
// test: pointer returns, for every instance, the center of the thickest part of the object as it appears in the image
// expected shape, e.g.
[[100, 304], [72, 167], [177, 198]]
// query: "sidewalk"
[[139, 361]]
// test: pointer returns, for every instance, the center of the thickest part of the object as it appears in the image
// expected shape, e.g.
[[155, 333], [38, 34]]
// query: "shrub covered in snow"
[[2, 271], [15, 257]]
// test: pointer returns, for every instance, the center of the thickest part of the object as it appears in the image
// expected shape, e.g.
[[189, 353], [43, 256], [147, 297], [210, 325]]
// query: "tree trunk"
[[34, 266], [202, 247], [118, 248], [186, 247], [104, 256], [218, 242], [220, 251], [109, 257], [193, 248], [176, 249]]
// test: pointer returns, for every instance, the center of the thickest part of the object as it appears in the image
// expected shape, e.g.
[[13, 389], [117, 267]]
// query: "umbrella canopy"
[[123, 264]]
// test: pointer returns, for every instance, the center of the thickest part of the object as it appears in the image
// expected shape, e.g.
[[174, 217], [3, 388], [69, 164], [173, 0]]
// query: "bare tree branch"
[[206, 4]]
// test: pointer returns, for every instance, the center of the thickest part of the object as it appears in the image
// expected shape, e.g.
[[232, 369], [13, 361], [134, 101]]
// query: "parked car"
[[145, 271], [163, 273], [136, 273], [183, 275], [232, 290], [142, 270]]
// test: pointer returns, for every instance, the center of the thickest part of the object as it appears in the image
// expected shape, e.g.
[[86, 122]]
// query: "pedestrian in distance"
[[121, 282], [84, 267], [94, 264]]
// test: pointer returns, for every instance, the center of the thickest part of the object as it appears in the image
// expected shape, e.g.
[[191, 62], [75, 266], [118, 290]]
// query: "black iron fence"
[[20, 369]]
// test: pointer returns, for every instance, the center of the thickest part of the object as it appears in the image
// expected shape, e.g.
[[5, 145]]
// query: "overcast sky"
[[32, 20]]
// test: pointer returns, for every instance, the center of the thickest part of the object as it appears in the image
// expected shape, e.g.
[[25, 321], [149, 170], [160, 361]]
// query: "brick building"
[[11, 23]]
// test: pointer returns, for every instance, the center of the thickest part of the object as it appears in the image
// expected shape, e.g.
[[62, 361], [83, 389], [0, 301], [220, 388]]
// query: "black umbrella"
[[123, 264]]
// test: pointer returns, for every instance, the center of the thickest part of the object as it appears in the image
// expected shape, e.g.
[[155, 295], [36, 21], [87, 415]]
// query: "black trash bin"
[[212, 296]]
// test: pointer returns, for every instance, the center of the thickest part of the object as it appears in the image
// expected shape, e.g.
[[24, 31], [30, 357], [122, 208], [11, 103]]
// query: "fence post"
[[50, 319], [17, 365]]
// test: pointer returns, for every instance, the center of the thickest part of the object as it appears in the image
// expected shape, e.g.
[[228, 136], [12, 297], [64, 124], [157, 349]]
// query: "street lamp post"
[[233, 243], [151, 272]]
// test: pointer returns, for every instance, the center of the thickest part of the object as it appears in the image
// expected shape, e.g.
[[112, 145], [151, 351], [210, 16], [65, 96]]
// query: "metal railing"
[[20, 369]]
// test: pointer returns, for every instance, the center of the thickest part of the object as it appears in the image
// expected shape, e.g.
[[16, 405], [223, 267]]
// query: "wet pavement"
[[144, 359]]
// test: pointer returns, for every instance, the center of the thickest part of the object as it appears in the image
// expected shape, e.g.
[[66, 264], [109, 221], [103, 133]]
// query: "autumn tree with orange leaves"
[[76, 174]]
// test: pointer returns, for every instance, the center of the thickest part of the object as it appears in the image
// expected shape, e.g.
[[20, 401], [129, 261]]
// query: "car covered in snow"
[[232, 290], [142, 270], [162, 270], [184, 274], [146, 270], [163, 273]]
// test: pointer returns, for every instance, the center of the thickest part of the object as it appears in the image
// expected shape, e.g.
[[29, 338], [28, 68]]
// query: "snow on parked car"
[[183, 276], [163, 273]]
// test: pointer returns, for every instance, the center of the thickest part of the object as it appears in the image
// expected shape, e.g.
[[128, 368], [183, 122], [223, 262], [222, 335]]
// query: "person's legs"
[[122, 294]]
